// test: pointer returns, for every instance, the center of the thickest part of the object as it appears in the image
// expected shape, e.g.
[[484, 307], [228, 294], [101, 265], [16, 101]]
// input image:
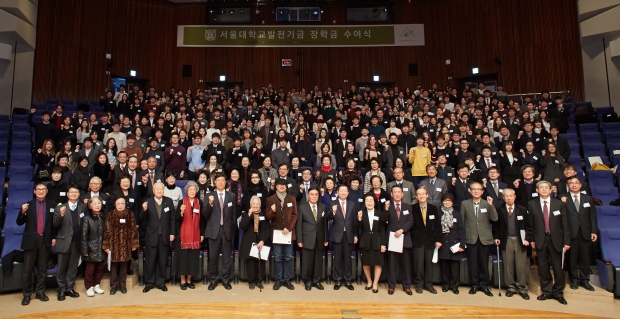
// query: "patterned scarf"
[[239, 192], [447, 220], [281, 196]]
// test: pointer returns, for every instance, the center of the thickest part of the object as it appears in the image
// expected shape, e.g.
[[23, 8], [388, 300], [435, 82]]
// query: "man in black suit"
[[526, 186], [560, 142], [570, 171], [494, 187], [311, 227], [37, 239], [513, 233], [267, 132], [444, 171], [583, 232], [400, 221], [460, 186], [120, 168], [527, 135], [94, 187], [425, 236], [343, 236], [504, 136], [406, 140], [306, 184], [158, 218], [150, 177], [551, 241], [220, 230], [486, 161]]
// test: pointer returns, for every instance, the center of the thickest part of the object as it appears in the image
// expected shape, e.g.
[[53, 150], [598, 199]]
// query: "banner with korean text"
[[300, 36]]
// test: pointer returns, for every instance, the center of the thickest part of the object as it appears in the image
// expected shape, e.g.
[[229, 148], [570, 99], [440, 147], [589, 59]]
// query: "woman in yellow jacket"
[[419, 157]]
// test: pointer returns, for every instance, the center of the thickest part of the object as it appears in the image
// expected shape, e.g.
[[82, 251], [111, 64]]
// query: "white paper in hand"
[[109, 259], [522, 232], [395, 244], [264, 252], [455, 248], [435, 256], [279, 238]]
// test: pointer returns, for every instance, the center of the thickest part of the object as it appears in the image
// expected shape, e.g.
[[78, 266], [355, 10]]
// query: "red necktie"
[[546, 216], [40, 218], [488, 163], [398, 210], [344, 213]]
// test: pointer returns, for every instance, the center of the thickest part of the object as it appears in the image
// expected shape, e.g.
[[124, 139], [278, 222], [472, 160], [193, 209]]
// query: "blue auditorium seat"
[[591, 137], [601, 178], [570, 136], [95, 103], [78, 102], [24, 146], [588, 127], [594, 149], [610, 127], [21, 158], [20, 118], [608, 216], [605, 194], [580, 104]]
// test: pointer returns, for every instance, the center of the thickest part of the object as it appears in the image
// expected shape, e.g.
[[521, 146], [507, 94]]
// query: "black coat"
[[456, 235], [394, 224], [152, 224], [91, 238], [425, 234], [30, 219], [249, 236]]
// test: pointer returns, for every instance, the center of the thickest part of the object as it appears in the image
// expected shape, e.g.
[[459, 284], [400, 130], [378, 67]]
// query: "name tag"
[[331, 176], [454, 220], [103, 128], [139, 183], [163, 145], [131, 200], [557, 162], [51, 210], [122, 220], [519, 217], [262, 155], [556, 213], [378, 153], [423, 156], [322, 214], [289, 185], [270, 132], [494, 153], [240, 154], [157, 156], [259, 194], [120, 138], [261, 217], [268, 179], [81, 215], [383, 200], [361, 200], [431, 216], [405, 189], [196, 210], [586, 205], [449, 174], [63, 193], [583, 192], [71, 132], [219, 152], [493, 164], [229, 204], [535, 195], [159, 181], [298, 174], [538, 139], [401, 152], [166, 209], [406, 212], [483, 210], [447, 155], [179, 153], [334, 198], [501, 190], [103, 202], [219, 170], [355, 159], [375, 218], [289, 204], [431, 131], [438, 189], [535, 158]]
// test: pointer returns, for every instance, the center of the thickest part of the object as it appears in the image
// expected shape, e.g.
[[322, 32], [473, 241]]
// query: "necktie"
[[306, 186], [546, 216], [576, 201], [152, 176], [133, 180], [488, 163], [314, 212], [510, 211], [496, 189], [40, 218], [476, 207], [122, 167], [344, 213], [423, 214], [398, 210], [221, 209], [432, 182]]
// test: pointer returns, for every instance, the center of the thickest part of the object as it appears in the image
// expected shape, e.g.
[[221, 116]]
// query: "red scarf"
[[326, 169], [190, 226]]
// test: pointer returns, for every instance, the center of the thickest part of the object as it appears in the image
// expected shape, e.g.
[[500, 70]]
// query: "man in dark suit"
[[311, 226], [486, 161], [88, 151], [551, 241], [513, 233], [150, 177], [267, 132], [292, 188], [570, 171], [425, 234], [400, 221], [504, 136], [494, 187], [444, 171], [120, 168], [220, 230], [478, 215], [306, 184], [343, 236], [38, 237], [68, 222], [158, 219], [560, 142], [583, 232], [94, 187], [526, 187], [460, 186], [406, 140]]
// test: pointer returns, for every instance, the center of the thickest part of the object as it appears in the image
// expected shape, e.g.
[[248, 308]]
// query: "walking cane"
[[260, 276], [499, 275]]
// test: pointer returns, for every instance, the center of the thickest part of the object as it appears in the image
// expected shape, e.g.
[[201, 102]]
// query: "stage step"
[[599, 294]]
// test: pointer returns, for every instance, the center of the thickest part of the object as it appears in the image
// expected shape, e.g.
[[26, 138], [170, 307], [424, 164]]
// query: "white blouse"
[[371, 217]]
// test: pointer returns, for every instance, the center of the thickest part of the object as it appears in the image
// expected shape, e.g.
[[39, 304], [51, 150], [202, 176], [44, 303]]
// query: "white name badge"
[[493, 164], [586, 205], [438, 189], [583, 192], [51, 210], [219, 152], [240, 154], [122, 220], [556, 213], [139, 183], [72, 133], [494, 153], [483, 210], [103, 202], [262, 155], [229, 204], [322, 214], [332, 176], [378, 153], [166, 209], [538, 139], [361, 200], [431, 131], [219, 170], [103, 128], [120, 138], [401, 152], [334, 198], [159, 181], [157, 156], [289, 185], [196, 210], [501, 190], [261, 217], [449, 174], [355, 159], [289, 204], [268, 179], [406, 212], [423, 156], [131, 200], [375, 218], [383, 200], [179, 153], [81, 215], [431, 216], [535, 158], [163, 145], [405, 189], [63, 193], [519, 217], [447, 155], [557, 162], [454, 220], [259, 194], [535, 195]]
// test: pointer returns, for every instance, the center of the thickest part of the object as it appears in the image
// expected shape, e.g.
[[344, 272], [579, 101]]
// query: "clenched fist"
[[273, 207], [211, 200], [144, 206], [24, 208], [63, 209]]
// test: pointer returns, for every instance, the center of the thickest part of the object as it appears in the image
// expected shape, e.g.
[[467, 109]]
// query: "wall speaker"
[[187, 70], [413, 69]]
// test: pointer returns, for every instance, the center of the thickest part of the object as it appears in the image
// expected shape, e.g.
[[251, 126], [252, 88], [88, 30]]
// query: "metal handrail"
[[537, 94]]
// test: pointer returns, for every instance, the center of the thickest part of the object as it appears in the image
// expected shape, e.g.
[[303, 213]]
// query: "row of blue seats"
[[609, 236]]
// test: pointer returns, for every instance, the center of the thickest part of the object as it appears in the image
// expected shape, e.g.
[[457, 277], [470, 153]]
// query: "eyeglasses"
[[476, 189], [41, 189]]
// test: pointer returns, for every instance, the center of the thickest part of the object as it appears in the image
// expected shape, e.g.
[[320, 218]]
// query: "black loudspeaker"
[[413, 69], [187, 70]]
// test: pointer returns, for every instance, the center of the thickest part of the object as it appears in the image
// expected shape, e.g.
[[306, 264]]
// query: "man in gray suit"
[[311, 227], [478, 214], [68, 221], [88, 151], [407, 186], [435, 186]]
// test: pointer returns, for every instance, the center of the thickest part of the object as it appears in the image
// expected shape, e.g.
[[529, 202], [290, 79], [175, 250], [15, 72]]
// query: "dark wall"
[[536, 41]]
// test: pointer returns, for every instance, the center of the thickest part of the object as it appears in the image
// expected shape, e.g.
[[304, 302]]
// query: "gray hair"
[[510, 191], [159, 184], [191, 184], [255, 198], [543, 182], [94, 179]]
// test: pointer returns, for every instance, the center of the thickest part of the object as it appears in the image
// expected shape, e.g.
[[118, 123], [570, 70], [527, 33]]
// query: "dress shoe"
[[408, 291], [367, 288], [260, 285], [543, 297], [561, 300], [390, 291], [524, 295], [183, 286], [114, 290], [123, 290], [129, 272], [375, 291], [61, 296], [473, 290], [26, 301], [349, 286], [318, 286], [455, 291], [574, 285], [432, 290], [227, 286], [42, 297], [277, 285], [418, 290], [308, 287], [72, 293], [163, 288], [251, 285], [487, 292], [191, 285], [148, 288], [212, 285], [288, 285], [587, 286], [509, 293], [444, 289], [337, 286]]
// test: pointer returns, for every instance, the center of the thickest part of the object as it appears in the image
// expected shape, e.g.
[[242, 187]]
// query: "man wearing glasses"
[[37, 240], [478, 214]]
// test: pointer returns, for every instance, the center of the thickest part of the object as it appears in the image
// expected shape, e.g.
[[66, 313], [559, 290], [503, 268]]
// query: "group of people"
[[451, 173]]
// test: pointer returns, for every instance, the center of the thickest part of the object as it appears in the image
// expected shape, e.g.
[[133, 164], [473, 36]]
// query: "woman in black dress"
[[256, 232], [255, 187], [452, 233], [190, 227], [509, 163], [372, 241]]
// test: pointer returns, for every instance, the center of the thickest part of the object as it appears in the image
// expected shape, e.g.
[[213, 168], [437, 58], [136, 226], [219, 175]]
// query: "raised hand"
[[24, 207], [144, 206], [359, 215], [273, 207], [63, 209], [211, 200]]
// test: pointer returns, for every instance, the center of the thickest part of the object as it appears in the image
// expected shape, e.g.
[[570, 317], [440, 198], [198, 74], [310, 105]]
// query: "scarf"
[[239, 192], [281, 196], [447, 220], [256, 221], [326, 169], [190, 226], [202, 190]]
